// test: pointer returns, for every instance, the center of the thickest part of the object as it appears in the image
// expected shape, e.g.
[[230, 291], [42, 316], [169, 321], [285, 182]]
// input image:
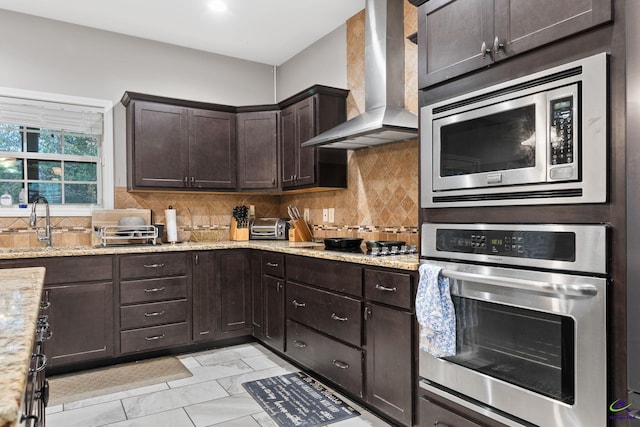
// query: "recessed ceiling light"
[[218, 6]]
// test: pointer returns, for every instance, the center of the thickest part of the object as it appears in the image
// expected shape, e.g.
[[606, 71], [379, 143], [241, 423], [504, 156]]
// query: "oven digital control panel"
[[548, 245]]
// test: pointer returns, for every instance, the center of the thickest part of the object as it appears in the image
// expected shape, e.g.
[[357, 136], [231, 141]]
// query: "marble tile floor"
[[213, 396]]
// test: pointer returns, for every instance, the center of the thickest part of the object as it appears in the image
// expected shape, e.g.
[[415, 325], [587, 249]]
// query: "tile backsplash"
[[380, 203]]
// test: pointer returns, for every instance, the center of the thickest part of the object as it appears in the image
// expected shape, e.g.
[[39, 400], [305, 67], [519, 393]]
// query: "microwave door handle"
[[553, 289]]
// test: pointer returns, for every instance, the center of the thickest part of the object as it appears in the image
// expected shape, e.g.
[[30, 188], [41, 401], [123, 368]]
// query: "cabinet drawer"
[[154, 338], [432, 414], [338, 362], [273, 264], [158, 313], [67, 270], [336, 315], [388, 287], [149, 290], [333, 275], [153, 265]]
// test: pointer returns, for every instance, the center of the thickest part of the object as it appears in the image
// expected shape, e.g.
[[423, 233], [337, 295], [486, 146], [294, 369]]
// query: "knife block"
[[236, 233], [300, 231]]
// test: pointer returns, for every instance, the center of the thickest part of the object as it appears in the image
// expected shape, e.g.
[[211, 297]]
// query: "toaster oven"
[[268, 229]]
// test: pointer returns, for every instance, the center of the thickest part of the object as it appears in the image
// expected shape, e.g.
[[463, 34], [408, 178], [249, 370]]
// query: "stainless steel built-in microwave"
[[539, 139]]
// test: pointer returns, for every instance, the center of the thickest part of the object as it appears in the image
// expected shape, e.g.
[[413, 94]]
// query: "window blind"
[[51, 115]]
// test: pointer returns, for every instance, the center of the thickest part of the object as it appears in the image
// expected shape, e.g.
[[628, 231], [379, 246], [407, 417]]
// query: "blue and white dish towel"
[[435, 313]]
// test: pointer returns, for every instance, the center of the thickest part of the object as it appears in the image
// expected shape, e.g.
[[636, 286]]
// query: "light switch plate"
[[325, 215], [332, 215]]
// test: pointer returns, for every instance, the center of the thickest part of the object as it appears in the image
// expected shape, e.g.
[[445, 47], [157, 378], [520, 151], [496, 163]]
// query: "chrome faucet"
[[33, 217]]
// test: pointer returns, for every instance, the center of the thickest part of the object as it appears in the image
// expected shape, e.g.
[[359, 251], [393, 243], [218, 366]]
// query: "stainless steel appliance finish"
[[531, 344], [385, 119], [268, 229], [538, 139]]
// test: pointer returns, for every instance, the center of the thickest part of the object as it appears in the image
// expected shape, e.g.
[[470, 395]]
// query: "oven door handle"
[[552, 289]]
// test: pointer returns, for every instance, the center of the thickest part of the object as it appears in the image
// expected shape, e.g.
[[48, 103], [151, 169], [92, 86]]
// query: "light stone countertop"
[[20, 291], [311, 249]]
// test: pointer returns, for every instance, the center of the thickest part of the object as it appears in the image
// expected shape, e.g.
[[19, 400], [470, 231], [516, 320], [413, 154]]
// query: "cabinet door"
[[204, 297], [454, 38], [289, 145], [389, 381], [522, 25], [273, 312], [234, 282], [212, 149], [81, 319], [306, 157], [257, 299], [432, 414], [160, 157], [258, 150]]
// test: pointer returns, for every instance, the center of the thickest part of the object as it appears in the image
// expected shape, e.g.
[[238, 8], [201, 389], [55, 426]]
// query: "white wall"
[[324, 62], [51, 56]]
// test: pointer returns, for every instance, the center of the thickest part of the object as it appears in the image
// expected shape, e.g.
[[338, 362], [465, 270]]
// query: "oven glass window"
[[496, 142], [530, 349]]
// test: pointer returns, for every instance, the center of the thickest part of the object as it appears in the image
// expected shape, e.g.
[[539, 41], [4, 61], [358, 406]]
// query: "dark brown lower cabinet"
[[341, 363], [205, 319], [81, 319], [273, 326], [389, 376], [233, 280]]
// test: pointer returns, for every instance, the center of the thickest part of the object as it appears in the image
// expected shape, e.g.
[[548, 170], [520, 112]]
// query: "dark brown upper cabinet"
[[459, 36], [174, 144], [258, 149], [304, 116]]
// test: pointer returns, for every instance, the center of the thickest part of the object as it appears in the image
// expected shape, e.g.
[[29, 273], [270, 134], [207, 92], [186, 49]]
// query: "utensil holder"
[[236, 233], [300, 231]]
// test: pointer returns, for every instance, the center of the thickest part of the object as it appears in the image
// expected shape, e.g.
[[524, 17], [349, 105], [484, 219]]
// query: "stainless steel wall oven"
[[530, 307], [537, 139]]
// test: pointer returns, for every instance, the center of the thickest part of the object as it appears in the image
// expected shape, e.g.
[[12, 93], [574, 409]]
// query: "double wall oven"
[[530, 306]]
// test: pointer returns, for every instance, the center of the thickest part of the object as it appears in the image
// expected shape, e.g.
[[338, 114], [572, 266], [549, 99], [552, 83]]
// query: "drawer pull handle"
[[299, 344], [155, 313], [340, 364], [155, 289], [153, 338], [272, 264], [338, 318], [297, 304], [45, 304], [154, 265], [385, 289]]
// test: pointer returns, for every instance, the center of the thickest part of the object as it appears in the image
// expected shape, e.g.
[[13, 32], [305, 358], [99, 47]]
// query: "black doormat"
[[298, 400]]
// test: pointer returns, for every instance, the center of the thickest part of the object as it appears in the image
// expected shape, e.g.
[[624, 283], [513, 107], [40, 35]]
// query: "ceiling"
[[265, 31]]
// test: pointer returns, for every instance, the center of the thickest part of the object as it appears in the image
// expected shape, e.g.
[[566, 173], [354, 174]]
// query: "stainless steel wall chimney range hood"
[[385, 119]]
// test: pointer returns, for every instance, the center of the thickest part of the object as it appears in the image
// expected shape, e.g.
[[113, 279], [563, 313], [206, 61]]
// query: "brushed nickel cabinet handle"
[[155, 313], [297, 304], [272, 264], [154, 265], [340, 364], [155, 289], [299, 344], [497, 46], [338, 318], [153, 338], [185, 181], [41, 362], [483, 49], [386, 289], [193, 181]]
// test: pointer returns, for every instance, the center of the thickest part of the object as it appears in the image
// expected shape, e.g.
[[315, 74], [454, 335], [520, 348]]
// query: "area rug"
[[298, 400], [99, 382]]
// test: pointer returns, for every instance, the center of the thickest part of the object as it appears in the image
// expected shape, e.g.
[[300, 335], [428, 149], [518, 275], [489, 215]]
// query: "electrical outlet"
[[325, 215], [332, 215], [306, 215]]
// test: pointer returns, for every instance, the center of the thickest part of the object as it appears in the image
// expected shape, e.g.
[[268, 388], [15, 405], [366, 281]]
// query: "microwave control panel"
[[549, 245], [562, 131]]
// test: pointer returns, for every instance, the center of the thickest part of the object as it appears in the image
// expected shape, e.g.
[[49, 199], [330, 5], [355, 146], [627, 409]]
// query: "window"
[[58, 147]]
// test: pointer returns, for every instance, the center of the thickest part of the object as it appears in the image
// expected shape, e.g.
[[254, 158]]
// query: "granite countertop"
[[311, 249], [20, 291]]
